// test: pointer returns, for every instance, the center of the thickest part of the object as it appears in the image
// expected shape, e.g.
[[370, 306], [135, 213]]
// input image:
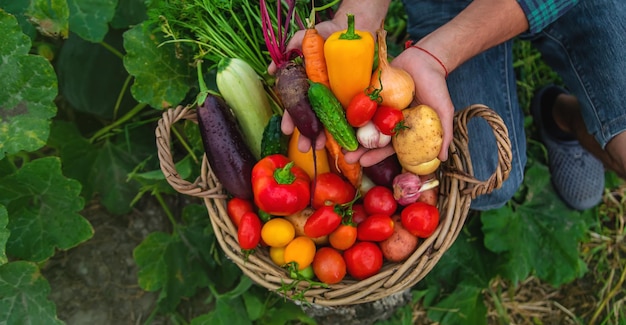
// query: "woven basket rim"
[[457, 187]]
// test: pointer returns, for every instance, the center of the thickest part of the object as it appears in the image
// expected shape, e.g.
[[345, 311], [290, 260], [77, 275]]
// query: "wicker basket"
[[457, 188]]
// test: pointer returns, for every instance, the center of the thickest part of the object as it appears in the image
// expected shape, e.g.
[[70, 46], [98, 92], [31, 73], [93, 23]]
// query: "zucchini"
[[332, 115], [274, 141], [243, 91]]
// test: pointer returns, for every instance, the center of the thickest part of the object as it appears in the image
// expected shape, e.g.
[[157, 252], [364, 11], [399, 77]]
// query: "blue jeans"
[[586, 47]]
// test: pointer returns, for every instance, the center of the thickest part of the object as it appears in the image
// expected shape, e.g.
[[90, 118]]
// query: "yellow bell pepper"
[[349, 58], [305, 159]]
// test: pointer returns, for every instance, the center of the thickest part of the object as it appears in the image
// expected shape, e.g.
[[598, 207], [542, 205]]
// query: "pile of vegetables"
[[318, 215]]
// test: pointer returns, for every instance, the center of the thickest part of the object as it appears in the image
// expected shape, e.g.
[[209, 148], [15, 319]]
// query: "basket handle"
[[459, 164], [199, 187]]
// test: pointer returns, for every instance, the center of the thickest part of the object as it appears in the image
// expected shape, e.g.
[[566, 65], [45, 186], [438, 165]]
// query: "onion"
[[398, 87]]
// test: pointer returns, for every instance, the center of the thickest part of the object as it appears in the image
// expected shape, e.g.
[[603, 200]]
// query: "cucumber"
[[274, 141], [332, 115]]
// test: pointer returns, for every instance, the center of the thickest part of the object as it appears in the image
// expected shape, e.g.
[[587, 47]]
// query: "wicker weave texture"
[[457, 188]]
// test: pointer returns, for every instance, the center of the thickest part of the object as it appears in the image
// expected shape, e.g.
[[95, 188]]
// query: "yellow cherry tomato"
[[300, 250], [277, 232], [277, 254]]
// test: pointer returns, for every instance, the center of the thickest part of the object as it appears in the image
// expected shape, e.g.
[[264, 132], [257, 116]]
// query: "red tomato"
[[236, 207], [363, 260], [328, 265], [388, 119], [421, 219], [376, 227], [362, 108], [358, 213], [343, 237], [330, 188], [249, 232], [323, 221], [379, 200]]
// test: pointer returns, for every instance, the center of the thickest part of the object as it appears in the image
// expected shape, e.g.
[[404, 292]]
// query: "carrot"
[[352, 172], [313, 52]]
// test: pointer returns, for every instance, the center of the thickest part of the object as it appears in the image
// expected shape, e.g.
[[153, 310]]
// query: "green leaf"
[[43, 209], [23, 295], [18, 9], [129, 13], [4, 234], [51, 16], [94, 85], [166, 263], [540, 229], [76, 152], [254, 305], [464, 306], [109, 176], [161, 80], [28, 86], [226, 312], [90, 18]]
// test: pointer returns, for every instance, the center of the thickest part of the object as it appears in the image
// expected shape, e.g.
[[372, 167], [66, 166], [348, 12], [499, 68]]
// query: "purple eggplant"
[[230, 158]]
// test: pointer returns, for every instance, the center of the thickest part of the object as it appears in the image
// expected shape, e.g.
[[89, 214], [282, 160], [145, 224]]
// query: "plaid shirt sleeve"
[[541, 13]]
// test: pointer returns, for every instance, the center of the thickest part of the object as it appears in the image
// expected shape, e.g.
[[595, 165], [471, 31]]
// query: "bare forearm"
[[482, 25]]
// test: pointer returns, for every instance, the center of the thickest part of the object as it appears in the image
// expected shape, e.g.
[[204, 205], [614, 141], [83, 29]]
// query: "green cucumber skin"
[[274, 141], [332, 115]]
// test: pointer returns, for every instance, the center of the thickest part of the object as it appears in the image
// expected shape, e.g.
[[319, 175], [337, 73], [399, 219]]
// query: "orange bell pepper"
[[304, 160]]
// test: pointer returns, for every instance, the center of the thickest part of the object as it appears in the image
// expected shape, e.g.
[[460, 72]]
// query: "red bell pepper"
[[280, 188]]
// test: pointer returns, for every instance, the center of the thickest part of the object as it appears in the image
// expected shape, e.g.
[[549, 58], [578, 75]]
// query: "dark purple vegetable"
[[230, 158], [384, 171], [292, 86]]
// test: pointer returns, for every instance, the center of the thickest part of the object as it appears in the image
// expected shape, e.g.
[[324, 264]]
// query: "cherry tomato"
[[300, 250], [330, 188], [329, 266], [249, 232], [277, 232], [421, 219], [380, 200], [388, 119], [236, 207], [277, 254], [376, 227], [343, 237], [363, 260], [323, 221], [358, 213], [362, 108]]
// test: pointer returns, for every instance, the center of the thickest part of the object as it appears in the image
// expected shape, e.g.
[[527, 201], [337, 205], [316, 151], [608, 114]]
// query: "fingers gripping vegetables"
[[331, 114], [227, 153], [349, 58], [291, 79], [251, 106], [280, 188], [351, 171]]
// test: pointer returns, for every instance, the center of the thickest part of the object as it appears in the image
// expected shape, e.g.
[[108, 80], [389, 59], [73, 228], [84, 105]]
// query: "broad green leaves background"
[[84, 82]]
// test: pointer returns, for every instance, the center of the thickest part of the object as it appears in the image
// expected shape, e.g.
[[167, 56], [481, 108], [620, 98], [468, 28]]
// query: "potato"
[[401, 244], [421, 140], [299, 220]]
